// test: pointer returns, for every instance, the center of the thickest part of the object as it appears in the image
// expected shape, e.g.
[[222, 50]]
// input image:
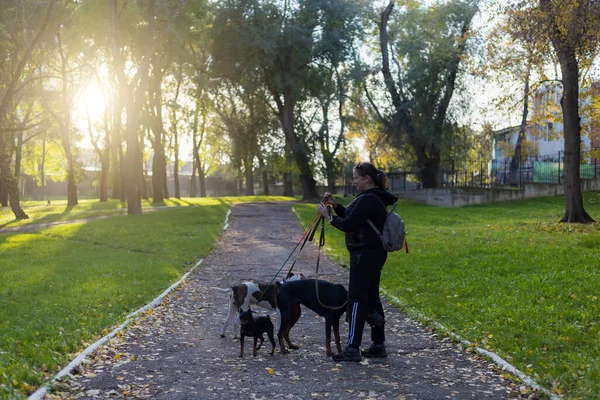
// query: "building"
[[542, 146]]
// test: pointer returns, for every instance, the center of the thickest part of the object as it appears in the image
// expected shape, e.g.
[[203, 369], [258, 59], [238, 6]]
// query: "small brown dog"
[[255, 327]]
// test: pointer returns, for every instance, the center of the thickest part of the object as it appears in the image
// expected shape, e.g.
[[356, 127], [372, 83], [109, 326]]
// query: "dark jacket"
[[360, 237]]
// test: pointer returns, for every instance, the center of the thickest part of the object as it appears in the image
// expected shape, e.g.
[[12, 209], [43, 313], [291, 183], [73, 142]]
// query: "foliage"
[[283, 49], [421, 53], [507, 278]]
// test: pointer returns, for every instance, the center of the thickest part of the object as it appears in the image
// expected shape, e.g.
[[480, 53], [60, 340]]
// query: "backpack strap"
[[386, 211], [374, 227]]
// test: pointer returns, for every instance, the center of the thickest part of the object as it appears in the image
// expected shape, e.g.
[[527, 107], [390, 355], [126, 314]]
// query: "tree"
[[426, 46], [59, 100], [24, 27], [277, 47], [573, 27], [512, 57], [132, 88]]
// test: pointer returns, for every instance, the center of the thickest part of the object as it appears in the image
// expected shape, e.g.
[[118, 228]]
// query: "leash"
[[307, 238], [311, 229], [321, 244]]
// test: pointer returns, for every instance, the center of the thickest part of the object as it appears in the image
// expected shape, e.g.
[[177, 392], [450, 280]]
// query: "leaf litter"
[[175, 351]]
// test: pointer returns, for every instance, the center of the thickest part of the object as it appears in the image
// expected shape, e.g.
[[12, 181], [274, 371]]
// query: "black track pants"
[[363, 295]]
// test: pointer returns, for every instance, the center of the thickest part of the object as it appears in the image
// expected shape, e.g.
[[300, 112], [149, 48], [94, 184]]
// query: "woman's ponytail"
[[382, 181]]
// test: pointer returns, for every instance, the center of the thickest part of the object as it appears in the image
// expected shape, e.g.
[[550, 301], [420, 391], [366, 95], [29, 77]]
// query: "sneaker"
[[375, 351], [349, 354], [375, 320]]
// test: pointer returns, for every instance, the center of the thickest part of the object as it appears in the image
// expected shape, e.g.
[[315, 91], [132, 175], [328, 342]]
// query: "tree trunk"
[[159, 163], [9, 182], [264, 175], [195, 159], [71, 183], [564, 43], [249, 176], [574, 211], [42, 169], [330, 173], [133, 159], [157, 170], [176, 165], [116, 148], [288, 187], [121, 175], [105, 160], [3, 195], [202, 181], [430, 170], [515, 163], [309, 185], [192, 188]]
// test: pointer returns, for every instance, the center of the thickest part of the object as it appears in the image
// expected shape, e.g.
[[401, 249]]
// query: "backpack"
[[393, 237]]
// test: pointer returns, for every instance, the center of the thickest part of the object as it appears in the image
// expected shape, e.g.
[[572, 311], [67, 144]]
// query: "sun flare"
[[92, 102]]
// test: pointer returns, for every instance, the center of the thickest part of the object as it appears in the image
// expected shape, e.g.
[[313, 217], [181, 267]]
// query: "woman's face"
[[362, 183]]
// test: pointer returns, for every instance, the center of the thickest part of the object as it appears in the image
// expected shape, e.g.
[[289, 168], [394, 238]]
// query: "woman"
[[367, 256]]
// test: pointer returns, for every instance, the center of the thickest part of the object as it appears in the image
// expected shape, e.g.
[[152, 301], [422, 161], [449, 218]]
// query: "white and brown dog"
[[245, 294]]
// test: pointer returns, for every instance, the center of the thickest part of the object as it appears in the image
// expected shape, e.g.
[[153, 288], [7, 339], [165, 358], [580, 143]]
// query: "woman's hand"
[[323, 210], [329, 199]]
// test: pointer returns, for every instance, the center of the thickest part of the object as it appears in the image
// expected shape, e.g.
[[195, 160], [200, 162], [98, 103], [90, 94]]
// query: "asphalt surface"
[[175, 351]]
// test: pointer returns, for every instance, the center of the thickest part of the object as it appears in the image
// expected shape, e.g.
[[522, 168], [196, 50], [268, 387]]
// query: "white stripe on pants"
[[353, 322]]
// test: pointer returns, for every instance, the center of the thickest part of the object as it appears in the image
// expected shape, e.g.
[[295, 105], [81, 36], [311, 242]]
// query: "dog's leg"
[[277, 319], [336, 334], [236, 325], [232, 313], [261, 342], [296, 311], [241, 345], [328, 337], [272, 339], [255, 349]]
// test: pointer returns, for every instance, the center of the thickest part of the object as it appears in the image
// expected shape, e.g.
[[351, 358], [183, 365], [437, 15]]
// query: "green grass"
[[507, 277], [40, 212], [64, 287]]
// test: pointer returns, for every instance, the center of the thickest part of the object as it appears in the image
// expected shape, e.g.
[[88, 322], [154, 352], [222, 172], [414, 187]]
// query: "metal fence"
[[540, 169], [490, 173]]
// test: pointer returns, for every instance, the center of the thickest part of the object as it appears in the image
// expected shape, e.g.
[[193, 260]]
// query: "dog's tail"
[[227, 290]]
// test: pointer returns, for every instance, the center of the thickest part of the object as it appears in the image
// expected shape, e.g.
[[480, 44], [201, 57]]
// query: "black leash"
[[322, 244], [313, 226], [307, 238]]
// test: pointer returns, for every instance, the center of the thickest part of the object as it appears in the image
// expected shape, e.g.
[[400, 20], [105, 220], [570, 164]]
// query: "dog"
[[292, 294], [255, 327], [246, 294]]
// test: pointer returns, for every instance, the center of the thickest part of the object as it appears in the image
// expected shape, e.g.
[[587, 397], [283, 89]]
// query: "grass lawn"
[[507, 277], [64, 287], [40, 212]]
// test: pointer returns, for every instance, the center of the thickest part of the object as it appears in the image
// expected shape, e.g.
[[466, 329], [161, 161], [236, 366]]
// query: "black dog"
[[255, 327], [330, 304]]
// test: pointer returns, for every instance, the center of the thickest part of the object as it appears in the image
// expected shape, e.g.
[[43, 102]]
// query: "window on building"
[[549, 132]]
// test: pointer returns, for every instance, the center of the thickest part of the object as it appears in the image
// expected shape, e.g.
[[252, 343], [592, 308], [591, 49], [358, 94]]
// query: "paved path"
[[175, 351]]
